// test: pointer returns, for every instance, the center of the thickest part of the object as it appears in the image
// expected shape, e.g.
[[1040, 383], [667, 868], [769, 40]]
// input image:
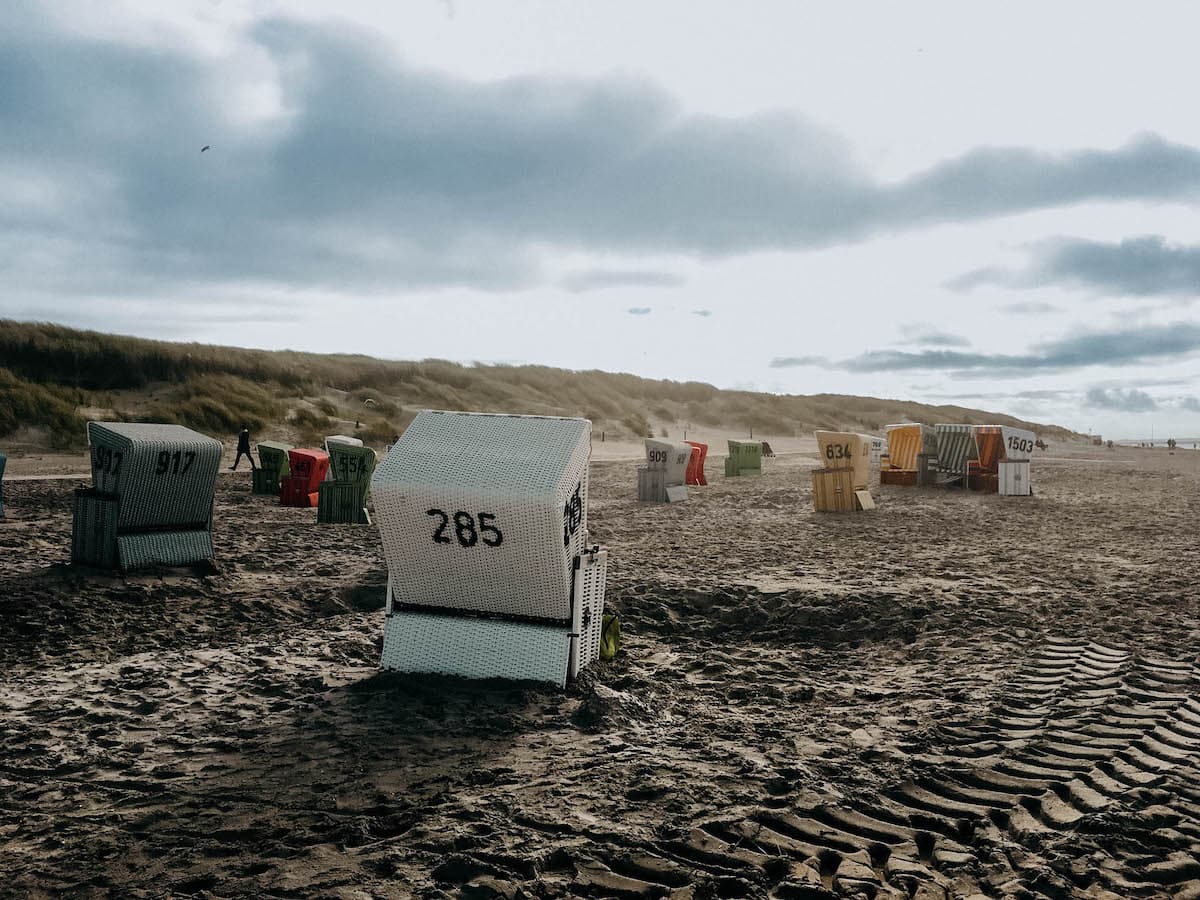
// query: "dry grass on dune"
[[53, 377]]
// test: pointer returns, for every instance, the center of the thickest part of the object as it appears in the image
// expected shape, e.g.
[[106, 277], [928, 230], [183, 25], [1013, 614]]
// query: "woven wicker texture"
[[671, 457], [475, 648], [94, 530], [652, 485], [956, 449], [293, 491], [273, 457], [1018, 443], [162, 474], [485, 512], [341, 502], [745, 458], [163, 548], [263, 481], [591, 575], [352, 464]]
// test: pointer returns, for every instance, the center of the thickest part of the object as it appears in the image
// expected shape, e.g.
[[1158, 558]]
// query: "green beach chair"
[[272, 467], [745, 458]]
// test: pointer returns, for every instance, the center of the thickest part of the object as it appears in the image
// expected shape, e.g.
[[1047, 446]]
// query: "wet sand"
[[955, 695]]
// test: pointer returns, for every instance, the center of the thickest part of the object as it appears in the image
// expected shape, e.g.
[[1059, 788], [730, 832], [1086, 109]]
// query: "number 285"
[[465, 529]]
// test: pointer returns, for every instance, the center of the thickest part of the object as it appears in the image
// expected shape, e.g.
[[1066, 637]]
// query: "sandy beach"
[[953, 696]]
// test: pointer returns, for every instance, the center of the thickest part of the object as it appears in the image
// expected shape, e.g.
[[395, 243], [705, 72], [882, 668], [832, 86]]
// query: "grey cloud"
[[1030, 308], [1191, 404], [1141, 266], [639, 310], [378, 176], [702, 313], [1130, 400], [928, 336], [795, 362], [602, 279], [1112, 348], [1035, 396]]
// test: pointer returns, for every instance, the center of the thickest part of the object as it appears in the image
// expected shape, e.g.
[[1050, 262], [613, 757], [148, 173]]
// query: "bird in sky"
[[205, 147]]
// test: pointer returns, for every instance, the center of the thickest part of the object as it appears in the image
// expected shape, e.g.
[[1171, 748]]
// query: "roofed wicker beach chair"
[[272, 467], [909, 446], [485, 533], [343, 497], [695, 472], [745, 458], [1012, 472], [846, 450], [151, 499], [342, 439], [664, 477], [956, 449], [308, 469]]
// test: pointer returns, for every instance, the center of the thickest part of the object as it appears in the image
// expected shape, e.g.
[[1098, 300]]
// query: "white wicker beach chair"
[[342, 439], [484, 526], [664, 477], [151, 499]]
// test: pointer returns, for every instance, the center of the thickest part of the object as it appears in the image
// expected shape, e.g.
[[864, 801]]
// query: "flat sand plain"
[[954, 695]]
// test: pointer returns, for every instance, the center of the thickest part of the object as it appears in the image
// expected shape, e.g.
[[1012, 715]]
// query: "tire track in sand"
[[1082, 777]]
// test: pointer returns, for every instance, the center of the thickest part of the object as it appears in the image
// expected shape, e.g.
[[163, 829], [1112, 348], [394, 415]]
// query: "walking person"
[[244, 447]]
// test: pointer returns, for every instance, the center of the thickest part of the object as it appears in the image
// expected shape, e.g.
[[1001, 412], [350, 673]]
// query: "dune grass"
[[52, 371]]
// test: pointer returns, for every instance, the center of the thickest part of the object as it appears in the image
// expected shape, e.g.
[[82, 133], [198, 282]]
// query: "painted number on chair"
[[1021, 445], [351, 465], [572, 515], [176, 463], [465, 529], [838, 451], [107, 461]]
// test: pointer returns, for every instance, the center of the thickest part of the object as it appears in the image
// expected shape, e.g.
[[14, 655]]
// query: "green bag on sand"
[[610, 637]]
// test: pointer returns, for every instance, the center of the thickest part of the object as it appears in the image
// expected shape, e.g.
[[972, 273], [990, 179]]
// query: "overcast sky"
[[989, 206]]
